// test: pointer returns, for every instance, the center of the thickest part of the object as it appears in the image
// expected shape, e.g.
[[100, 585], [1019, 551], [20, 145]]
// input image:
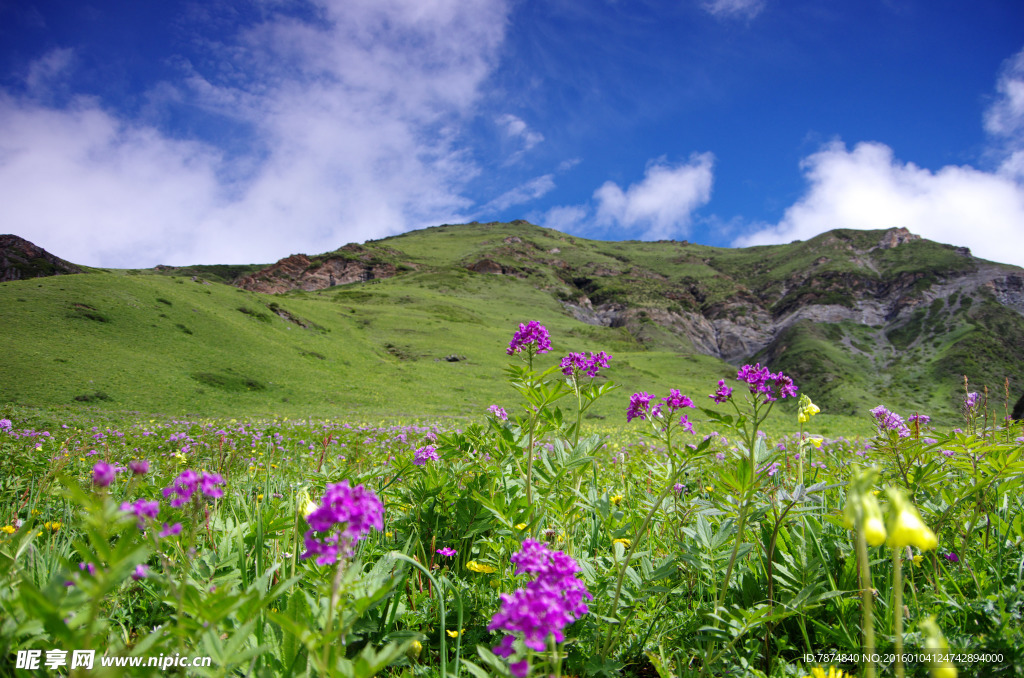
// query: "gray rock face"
[[20, 259]]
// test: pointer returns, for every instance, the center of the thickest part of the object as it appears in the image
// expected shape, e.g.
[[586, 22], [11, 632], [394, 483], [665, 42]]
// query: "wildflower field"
[[687, 542]]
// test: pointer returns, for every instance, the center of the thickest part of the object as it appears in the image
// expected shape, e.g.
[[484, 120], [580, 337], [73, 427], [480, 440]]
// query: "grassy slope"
[[166, 344]]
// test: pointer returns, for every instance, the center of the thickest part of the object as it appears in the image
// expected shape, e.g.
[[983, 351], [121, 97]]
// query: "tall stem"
[[897, 625], [867, 621]]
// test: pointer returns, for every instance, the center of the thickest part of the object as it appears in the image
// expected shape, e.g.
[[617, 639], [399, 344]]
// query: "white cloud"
[[515, 127], [356, 117], [531, 190], [867, 188], [747, 9], [662, 204], [565, 218], [1004, 119]]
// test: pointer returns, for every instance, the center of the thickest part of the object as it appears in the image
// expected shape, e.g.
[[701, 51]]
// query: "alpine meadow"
[[497, 449]]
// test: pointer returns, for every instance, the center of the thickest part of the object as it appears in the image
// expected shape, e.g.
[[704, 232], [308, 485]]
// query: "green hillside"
[[431, 339]]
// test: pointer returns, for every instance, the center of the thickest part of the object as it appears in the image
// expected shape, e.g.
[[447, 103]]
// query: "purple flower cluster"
[[425, 454], [761, 381], [448, 552], [722, 394], [921, 419], [345, 515], [581, 363], [142, 509], [186, 484], [531, 337], [890, 421], [547, 604], [640, 407], [5, 425], [139, 467], [498, 412]]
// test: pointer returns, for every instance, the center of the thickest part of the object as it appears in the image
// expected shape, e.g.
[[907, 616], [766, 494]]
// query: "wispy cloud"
[[746, 9], [524, 193], [1004, 120], [354, 117]]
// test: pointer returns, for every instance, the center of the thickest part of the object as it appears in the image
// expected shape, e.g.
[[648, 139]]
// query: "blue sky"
[[134, 133]]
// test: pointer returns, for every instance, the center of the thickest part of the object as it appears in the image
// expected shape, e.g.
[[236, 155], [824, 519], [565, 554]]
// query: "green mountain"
[[417, 324]]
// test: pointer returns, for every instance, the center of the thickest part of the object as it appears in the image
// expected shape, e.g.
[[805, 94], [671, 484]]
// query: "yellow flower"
[[626, 543], [480, 567], [816, 442], [709, 488], [54, 526], [9, 529], [617, 499], [807, 409], [306, 505], [521, 526], [936, 642], [389, 535], [259, 496], [413, 652], [907, 528], [917, 559], [454, 634], [874, 531]]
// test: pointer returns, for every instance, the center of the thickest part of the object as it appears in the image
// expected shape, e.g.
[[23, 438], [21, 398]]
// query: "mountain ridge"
[[855, 316]]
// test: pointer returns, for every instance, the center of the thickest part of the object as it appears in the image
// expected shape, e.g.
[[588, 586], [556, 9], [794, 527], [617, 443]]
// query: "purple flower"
[[948, 453], [519, 669], [581, 363], [103, 474], [425, 454], [890, 421], [722, 394], [498, 412], [183, 488], [531, 337], [761, 381], [677, 401], [548, 603], [639, 406], [952, 557], [141, 572], [345, 515], [5, 424], [170, 530], [971, 400], [138, 466], [678, 487], [686, 424], [209, 485], [921, 419], [447, 552], [88, 567], [142, 509]]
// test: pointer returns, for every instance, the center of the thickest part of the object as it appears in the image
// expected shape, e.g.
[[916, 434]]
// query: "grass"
[[179, 340]]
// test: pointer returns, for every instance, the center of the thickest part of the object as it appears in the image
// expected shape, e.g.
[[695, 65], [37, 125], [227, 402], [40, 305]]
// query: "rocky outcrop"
[[299, 272], [20, 260]]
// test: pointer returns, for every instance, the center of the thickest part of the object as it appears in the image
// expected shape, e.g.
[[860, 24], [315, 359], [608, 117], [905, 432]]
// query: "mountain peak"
[[21, 259]]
